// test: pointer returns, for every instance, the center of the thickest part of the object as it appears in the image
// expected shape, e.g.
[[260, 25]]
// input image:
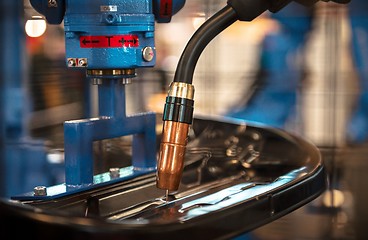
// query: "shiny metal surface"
[[236, 177], [111, 72], [181, 90], [172, 151]]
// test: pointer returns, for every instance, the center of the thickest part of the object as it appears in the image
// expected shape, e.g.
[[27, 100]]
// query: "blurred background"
[[302, 69]]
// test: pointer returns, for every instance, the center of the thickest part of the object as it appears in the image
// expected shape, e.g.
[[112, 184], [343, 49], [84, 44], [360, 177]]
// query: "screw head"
[[71, 62], [114, 172], [96, 81], [40, 191], [148, 54], [82, 62], [126, 81]]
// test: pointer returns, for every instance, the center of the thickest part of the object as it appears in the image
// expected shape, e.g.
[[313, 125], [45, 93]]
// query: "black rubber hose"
[[209, 30]]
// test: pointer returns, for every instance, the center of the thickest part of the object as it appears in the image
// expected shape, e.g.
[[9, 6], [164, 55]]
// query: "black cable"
[[209, 30]]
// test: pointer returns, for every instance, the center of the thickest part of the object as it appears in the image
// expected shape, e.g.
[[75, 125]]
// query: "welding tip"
[[172, 151], [178, 115], [167, 195]]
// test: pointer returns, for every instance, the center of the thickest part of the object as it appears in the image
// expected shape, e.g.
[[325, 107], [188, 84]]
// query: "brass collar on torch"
[[181, 90]]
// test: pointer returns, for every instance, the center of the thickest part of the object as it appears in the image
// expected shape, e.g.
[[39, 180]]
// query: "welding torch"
[[179, 106]]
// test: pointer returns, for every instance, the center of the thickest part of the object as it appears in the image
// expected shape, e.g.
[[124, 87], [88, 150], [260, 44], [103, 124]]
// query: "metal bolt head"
[[148, 54], [82, 62], [71, 62], [111, 18], [126, 81], [96, 81], [40, 191], [114, 172], [52, 4]]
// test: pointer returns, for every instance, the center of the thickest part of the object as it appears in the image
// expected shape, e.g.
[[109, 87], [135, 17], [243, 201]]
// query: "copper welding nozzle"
[[172, 150]]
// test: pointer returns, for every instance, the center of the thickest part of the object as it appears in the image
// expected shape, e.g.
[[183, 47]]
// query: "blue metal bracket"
[[80, 134]]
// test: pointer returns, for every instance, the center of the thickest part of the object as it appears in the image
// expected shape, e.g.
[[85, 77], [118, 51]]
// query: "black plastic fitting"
[[178, 110]]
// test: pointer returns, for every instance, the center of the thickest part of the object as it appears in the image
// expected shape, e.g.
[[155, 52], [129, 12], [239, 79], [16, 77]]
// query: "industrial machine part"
[[110, 39], [178, 110], [237, 177]]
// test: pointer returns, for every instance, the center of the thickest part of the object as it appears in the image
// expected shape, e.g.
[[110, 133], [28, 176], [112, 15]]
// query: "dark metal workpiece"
[[236, 178]]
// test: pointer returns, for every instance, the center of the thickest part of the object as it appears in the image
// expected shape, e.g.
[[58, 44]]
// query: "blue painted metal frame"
[[113, 122], [79, 136], [84, 19]]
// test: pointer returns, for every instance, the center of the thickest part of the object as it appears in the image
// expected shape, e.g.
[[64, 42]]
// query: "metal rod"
[[167, 195]]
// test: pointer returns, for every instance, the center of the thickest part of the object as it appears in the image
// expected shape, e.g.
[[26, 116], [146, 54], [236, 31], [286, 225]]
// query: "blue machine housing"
[[109, 34]]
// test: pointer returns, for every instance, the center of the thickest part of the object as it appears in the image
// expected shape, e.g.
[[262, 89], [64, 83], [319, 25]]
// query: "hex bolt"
[[71, 62], [96, 81], [40, 191], [111, 18], [114, 172], [82, 62], [126, 81], [148, 54], [52, 4]]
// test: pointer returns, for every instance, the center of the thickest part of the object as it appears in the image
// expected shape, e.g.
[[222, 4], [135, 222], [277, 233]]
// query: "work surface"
[[348, 171]]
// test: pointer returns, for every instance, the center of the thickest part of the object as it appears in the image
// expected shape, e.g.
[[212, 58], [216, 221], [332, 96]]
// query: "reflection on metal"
[[172, 151], [268, 175], [105, 73], [181, 90]]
